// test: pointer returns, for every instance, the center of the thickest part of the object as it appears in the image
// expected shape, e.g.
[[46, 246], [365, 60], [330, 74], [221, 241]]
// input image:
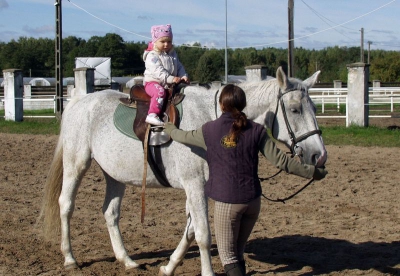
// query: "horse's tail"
[[50, 212]]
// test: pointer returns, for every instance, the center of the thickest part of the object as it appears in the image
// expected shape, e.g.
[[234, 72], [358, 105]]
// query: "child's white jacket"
[[162, 67]]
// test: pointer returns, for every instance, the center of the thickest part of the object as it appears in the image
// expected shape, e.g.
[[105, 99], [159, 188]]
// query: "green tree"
[[210, 67], [73, 47], [113, 46], [134, 63], [189, 56], [36, 58], [387, 68]]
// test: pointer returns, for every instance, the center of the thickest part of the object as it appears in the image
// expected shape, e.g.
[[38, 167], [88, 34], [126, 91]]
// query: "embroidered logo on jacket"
[[227, 142]]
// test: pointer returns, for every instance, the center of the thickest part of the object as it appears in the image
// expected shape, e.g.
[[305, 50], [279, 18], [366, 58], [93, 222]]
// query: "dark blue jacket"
[[233, 166]]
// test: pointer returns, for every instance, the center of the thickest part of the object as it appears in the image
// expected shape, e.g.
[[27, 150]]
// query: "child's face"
[[164, 44]]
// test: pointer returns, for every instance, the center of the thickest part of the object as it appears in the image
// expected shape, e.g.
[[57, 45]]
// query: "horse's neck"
[[199, 107]]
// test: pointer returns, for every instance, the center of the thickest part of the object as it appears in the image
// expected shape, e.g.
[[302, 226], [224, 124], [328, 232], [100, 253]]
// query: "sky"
[[252, 23]]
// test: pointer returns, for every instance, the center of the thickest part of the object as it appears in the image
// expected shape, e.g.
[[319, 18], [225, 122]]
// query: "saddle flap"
[[137, 93]]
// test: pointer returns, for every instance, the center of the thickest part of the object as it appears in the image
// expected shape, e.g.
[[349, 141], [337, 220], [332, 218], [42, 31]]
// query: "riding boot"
[[242, 265], [233, 270]]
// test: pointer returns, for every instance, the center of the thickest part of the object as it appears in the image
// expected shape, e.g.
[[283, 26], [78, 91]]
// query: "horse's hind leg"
[[111, 210], [179, 254], [71, 180], [197, 227]]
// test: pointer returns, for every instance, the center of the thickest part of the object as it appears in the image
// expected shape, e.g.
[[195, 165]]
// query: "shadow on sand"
[[323, 256]]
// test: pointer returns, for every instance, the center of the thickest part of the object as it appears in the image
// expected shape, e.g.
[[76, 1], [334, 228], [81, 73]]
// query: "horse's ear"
[[282, 78], [311, 80]]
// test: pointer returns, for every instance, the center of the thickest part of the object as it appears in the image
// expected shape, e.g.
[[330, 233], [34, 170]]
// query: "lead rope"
[[286, 198], [146, 143], [291, 196]]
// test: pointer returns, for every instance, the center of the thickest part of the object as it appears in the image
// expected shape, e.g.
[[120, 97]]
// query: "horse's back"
[[88, 132], [88, 129]]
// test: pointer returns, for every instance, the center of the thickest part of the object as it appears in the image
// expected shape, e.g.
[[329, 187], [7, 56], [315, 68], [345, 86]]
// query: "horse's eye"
[[295, 107]]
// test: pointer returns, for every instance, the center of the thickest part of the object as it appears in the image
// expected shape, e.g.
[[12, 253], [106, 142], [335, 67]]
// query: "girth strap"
[[154, 154]]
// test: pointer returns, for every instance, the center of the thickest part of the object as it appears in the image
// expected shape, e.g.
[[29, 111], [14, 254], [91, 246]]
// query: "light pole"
[[362, 45], [291, 37], [226, 41], [369, 49], [58, 60]]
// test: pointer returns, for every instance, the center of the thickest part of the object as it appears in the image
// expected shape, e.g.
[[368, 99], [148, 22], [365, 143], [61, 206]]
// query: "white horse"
[[88, 132]]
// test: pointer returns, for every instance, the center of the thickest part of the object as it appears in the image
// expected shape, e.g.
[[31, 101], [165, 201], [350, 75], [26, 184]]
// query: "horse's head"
[[294, 122]]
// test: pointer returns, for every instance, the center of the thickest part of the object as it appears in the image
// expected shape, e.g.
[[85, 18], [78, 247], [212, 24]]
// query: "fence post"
[[84, 81], [255, 73], [13, 95], [376, 84], [70, 87], [337, 84], [358, 97], [216, 84], [27, 95]]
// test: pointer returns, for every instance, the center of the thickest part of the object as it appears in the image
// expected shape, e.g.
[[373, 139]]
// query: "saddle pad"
[[123, 120], [124, 117]]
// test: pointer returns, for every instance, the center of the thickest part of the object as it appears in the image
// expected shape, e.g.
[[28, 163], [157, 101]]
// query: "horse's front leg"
[[197, 227], [111, 210]]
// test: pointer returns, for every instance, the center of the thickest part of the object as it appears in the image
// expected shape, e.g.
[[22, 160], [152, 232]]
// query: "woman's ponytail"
[[233, 100]]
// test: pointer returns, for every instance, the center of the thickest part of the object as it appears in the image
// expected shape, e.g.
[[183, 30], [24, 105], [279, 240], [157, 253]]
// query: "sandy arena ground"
[[346, 224]]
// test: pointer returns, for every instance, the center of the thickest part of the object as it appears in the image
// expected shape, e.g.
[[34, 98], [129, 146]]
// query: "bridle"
[[295, 149]]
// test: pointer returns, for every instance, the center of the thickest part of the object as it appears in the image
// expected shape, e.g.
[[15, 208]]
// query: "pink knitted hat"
[[160, 31]]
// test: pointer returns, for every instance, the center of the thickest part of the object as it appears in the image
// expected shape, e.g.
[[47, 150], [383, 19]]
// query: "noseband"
[[295, 149]]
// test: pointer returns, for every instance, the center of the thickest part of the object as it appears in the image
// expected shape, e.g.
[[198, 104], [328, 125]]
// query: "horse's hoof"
[[71, 266], [162, 272], [131, 265]]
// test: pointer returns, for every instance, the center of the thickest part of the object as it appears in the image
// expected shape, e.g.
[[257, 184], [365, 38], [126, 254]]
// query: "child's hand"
[[177, 80], [185, 79]]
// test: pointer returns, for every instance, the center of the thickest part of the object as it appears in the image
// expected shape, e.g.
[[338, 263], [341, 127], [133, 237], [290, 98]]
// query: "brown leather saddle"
[[139, 99]]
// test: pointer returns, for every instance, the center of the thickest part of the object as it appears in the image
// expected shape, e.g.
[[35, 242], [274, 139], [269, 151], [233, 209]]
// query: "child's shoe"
[[153, 119]]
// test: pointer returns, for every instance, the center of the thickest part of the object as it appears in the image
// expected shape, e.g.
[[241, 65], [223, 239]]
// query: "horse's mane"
[[205, 85]]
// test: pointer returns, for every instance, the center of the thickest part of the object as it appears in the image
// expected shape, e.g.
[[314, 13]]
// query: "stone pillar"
[[13, 95], [70, 87], [376, 84], [84, 81], [337, 84], [27, 91], [28, 95], [216, 84], [357, 95], [255, 73], [115, 86]]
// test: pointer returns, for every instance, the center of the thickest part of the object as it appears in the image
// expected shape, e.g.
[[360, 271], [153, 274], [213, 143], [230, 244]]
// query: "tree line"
[[36, 58]]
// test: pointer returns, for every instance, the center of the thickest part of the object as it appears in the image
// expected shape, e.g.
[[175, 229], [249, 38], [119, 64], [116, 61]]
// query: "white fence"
[[37, 103], [338, 96]]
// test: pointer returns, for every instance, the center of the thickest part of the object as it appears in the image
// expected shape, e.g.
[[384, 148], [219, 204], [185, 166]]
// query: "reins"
[[295, 140], [286, 198]]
